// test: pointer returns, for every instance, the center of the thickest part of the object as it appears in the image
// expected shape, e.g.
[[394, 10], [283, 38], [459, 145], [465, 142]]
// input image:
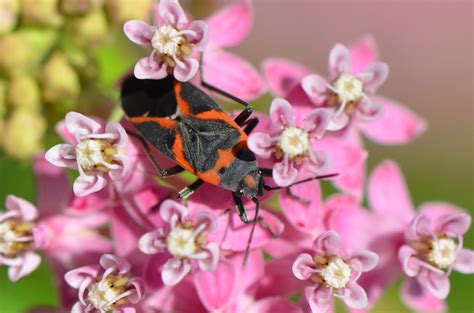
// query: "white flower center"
[[348, 88], [336, 273], [108, 293], [168, 41], [294, 142], [181, 242], [96, 155], [15, 237], [443, 252]]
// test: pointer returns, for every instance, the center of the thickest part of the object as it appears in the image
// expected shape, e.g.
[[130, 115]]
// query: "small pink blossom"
[[173, 41], [20, 236], [184, 239], [99, 153], [333, 270], [291, 145], [109, 287]]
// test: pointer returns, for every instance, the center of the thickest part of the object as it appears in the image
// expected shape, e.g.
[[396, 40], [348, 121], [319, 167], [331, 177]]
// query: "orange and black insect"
[[189, 127]]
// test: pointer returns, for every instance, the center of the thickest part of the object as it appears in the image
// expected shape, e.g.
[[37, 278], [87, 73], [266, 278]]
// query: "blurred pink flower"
[[354, 76], [105, 288], [333, 270], [99, 153], [185, 239], [289, 145], [173, 41], [424, 246]]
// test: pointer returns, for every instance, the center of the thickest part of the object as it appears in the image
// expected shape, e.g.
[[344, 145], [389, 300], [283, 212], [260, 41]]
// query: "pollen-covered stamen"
[[349, 89], [16, 236], [169, 42], [109, 293], [335, 272], [185, 240], [294, 142], [440, 252], [96, 155]]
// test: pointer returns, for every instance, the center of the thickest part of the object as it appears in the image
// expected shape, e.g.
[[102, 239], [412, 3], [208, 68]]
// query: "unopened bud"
[[58, 79], [16, 54], [74, 7], [41, 12], [22, 134], [24, 93], [121, 11], [89, 29], [8, 15]]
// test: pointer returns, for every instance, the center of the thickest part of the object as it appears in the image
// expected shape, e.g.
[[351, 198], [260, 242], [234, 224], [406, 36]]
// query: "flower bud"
[[74, 7], [16, 54], [121, 11], [24, 93], [89, 29], [8, 15], [58, 79], [22, 133], [41, 12]]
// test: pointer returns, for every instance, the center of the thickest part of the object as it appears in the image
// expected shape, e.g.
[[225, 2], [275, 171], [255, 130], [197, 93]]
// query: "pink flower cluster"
[[119, 241]]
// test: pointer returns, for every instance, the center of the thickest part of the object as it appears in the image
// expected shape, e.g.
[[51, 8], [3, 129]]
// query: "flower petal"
[[374, 76], [436, 283], [282, 75], [273, 305], [149, 68], [81, 125], [388, 194], [354, 296], [29, 262], [87, 184], [465, 261], [284, 175], [417, 298], [76, 277], [175, 270], [215, 289], [339, 60], [26, 210], [172, 13], [169, 208], [410, 264], [231, 25], [281, 113], [62, 155], [363, 52], [260, 144], [200, 39], [315, 87], [303, 266], [186, 70], [209, 264], [153, 242], [363, 259], [232, 74], [319, 298], [317, 122], [109, 261], [138, 32], [327, 242], [396, 124]]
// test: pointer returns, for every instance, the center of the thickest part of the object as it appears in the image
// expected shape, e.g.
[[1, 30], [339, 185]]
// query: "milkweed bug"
[[189, 127]]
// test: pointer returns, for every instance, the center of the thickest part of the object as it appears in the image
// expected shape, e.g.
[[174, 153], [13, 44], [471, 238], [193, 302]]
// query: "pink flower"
[[99, 154], [425, 247], [105, 288], [20, 236], [291, 146], [333, 270], [354, 76], [185, 239], [173, 41]]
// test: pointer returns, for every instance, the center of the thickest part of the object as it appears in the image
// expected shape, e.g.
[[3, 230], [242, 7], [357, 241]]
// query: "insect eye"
[[222, 170]]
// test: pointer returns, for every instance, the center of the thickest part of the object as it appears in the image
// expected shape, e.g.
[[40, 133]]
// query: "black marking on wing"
[[160, 137], [198, 100], [203, 138], [148, 97]]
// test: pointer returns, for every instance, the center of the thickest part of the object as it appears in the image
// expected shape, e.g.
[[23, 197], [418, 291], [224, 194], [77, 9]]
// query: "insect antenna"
[[270, 188], [254, 224]]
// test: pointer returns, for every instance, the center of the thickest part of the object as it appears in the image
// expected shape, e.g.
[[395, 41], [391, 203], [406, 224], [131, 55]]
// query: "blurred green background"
[[430, 54]]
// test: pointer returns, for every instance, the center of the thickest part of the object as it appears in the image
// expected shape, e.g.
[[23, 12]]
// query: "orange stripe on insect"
[[163, 122], [183, 105]]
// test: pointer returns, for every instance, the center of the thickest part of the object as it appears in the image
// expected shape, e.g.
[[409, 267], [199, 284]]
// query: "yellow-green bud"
[[121, 11], [24, 93], [41, 12], [8, 15], [16, 54], [89, 29], [58, 79], [80, 6], [22, 134]]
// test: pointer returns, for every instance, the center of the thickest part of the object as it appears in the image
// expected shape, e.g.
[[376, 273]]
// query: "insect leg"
[[248, 107], [250, 125], [187, 191], [252, 230], [161, 171], [239, 204], [296, 197]]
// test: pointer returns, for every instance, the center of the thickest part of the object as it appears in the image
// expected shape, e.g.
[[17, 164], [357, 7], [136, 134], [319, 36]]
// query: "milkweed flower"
[[105, 288], [184, 239], [173, 41], [289, 144], [334, 271], [99, 153]]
